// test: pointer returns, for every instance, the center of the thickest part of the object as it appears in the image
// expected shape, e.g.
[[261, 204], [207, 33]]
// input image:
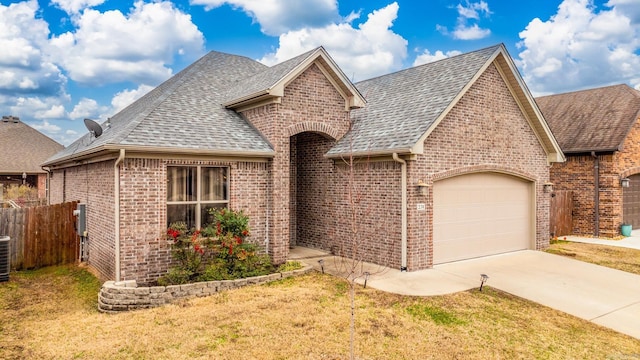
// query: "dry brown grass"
[[620, 258], [50, 314]]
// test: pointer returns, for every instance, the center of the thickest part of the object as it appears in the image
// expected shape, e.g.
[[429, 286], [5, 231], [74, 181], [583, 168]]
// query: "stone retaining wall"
[[126, 295]]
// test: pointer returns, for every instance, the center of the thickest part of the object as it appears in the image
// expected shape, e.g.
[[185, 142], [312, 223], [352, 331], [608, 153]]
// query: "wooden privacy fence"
[[41, 236], [561, 213]]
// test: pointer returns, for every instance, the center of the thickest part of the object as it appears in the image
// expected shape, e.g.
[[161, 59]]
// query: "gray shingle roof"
[[23, 147], [185, 112], [591, 120], [402, 106]]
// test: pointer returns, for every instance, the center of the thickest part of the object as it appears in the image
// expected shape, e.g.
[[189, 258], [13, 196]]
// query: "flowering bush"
[[217, 252]]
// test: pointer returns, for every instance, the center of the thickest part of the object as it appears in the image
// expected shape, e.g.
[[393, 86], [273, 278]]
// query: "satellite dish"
[[94, 128]]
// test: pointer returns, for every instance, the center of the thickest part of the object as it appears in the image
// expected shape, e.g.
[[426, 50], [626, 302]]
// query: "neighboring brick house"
[[451, 161], [23, 150], [599, 133]]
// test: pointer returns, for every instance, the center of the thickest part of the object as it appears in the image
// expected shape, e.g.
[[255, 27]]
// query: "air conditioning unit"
[[5, 258]]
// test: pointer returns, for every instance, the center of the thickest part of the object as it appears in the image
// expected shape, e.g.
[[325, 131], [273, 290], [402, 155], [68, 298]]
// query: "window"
[[192, 191]]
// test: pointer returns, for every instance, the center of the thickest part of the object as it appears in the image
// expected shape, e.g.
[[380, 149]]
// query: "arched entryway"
[[481, 214], [310, 190]]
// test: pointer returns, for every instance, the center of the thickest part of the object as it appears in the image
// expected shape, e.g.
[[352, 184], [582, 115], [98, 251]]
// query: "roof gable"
[[23, 147], [268, 86], [592, 120], [404, 107]]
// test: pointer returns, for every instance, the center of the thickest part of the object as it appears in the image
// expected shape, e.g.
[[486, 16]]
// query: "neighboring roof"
[[183, 114], [404, 107], [592, 120], [23, 147]]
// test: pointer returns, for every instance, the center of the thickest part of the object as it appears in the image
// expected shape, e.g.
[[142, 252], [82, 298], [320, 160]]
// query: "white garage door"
[[481, 214]]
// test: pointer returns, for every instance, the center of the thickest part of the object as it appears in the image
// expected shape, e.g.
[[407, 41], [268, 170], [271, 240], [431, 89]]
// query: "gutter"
[[368, 154], [596, 194], [158, 149], [403, 262], [116, 178]]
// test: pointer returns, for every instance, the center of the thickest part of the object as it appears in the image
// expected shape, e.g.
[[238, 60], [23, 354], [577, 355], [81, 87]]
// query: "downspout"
[[403, 265], [47, 193], [116, 196], [596, 194]]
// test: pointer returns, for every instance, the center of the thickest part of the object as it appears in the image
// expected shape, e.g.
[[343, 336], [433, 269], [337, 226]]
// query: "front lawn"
[[51, 314], [620, 258]]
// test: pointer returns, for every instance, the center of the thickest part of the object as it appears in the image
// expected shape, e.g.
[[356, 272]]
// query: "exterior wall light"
[[423, 188], [547, 187], [625, 182]]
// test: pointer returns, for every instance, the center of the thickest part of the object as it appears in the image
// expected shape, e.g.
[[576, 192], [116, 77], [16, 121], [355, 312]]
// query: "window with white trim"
[[192, 191]]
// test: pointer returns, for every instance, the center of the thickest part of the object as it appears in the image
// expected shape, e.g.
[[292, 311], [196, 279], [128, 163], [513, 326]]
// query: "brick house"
[[451, 158], [599, 133], [23, 150]]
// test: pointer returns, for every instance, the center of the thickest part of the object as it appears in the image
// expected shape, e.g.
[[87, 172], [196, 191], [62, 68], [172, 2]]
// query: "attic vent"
[[9, 118]]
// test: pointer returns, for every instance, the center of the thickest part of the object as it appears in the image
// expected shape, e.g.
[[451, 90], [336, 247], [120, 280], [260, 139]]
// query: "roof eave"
[[114, 148], [592, 150], [248, 99]]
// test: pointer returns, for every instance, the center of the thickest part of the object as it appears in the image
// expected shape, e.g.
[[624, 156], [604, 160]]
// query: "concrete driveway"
[[605, 296]]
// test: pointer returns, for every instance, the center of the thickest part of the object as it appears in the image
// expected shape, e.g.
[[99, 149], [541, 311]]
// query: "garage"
[[481, 214], [631, 202]]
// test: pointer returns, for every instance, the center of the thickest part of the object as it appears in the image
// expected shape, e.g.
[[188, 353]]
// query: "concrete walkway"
[[632, 241], [605, 296]]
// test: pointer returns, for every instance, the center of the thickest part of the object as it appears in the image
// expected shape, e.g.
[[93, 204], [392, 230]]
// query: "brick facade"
[[144, 254], [93, 185], [310, 103], [577, 174], [350, 211], [484, 131], [300, 197]]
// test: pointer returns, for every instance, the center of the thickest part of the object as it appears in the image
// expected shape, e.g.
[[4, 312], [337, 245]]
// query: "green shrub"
[[217, 252]]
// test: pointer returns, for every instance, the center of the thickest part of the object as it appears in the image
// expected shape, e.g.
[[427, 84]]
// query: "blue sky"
[[66, 60]]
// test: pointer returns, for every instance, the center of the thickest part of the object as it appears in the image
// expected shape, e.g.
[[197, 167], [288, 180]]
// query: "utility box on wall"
[[81, 219]]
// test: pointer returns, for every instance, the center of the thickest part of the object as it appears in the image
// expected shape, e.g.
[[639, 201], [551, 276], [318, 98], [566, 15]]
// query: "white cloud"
[[87, 108], [125, 97], [472, 32], [54, 112], [371, 49], [581, 47], [25, 68], [279, 16], [427, 56], [75, 6], [471, 11], [113, 47], [46, 127]]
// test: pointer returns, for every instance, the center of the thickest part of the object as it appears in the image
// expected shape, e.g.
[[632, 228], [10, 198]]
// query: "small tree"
[[353, 249]]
